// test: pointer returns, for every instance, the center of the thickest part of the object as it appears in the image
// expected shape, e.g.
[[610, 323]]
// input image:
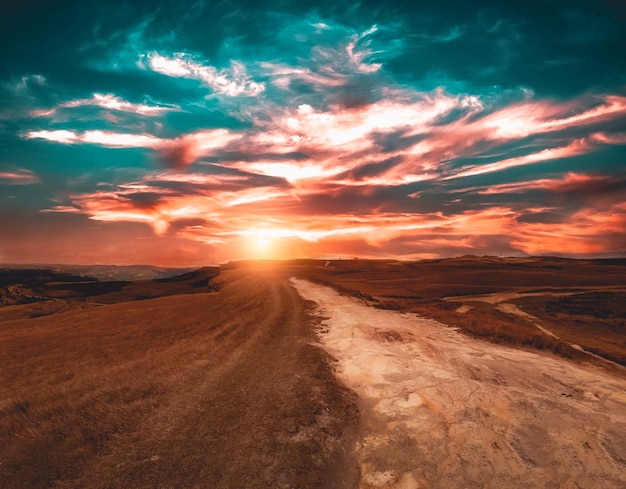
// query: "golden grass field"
[[196, 381], [213, 378]]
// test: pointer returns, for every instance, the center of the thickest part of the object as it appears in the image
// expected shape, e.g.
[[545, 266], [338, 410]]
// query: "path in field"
[[442, 410], [500, 298], [215, 390]]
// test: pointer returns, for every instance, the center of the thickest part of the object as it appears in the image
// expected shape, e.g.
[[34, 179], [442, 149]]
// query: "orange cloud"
[[585, 232]]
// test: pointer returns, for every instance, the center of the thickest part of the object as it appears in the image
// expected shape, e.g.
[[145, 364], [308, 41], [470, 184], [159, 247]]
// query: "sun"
[[272, 243], [262, 243]]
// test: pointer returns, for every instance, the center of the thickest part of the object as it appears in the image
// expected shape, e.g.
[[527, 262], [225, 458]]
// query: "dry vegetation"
[[174, 391], [437, 288], [210, 378], [594, 320]]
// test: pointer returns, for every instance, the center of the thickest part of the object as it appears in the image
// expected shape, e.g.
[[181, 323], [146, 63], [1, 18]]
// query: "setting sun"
[[261, 243]]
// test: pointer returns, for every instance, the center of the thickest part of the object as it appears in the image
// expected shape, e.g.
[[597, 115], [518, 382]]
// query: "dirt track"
[[268, 414], [232, 393], [442, 410]]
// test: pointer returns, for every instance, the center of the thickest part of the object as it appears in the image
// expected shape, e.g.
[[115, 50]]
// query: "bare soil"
[[443, 410]]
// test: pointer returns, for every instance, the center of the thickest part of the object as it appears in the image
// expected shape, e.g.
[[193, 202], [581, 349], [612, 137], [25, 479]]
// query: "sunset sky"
[[183, 133]]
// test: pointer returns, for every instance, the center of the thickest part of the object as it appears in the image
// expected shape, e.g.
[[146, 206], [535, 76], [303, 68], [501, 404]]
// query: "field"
[[216, 378], [580, 301], [199, 379]]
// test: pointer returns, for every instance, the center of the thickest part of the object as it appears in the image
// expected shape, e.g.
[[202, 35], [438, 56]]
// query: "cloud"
[[175, 152], [422, 135], [579, 183], [182, 151], [588, 231], [231, 82], [290, 165], [226, 210], [101, 138], [323, 144], [574, 148], [25, 83], [106, 101], [529, 118], [18, 176]]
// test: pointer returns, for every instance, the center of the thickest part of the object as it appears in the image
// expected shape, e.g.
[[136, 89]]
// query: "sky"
[[191, 133]]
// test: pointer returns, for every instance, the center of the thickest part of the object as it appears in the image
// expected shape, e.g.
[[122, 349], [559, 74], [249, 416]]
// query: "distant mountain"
[[107, 273]]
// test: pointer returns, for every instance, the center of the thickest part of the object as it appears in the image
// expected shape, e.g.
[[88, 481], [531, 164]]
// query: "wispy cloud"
[[18, 176], [176, 152], [570, 181], [25, 83], [231, 82], [101, 138], [106, 101], [574, 148]]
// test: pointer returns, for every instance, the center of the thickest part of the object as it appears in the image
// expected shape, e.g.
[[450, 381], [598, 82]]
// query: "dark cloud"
[[143, 200], [179, 155], [375, 168]]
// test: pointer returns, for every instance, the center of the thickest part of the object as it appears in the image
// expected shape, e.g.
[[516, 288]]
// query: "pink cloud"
[[568, 181], [18, 176], [337, 141], [341, 127], [576, 147], [339, 153], [527, 118], [605, 138]]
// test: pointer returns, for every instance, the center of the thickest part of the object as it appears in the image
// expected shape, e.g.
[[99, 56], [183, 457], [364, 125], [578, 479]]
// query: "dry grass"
[[210, 389], [421, 287], [121, 395], [71, 385], [596, 321], [75, 376]]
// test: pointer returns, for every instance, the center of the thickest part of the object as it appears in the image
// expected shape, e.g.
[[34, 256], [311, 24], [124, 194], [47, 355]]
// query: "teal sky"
[[190, 133]]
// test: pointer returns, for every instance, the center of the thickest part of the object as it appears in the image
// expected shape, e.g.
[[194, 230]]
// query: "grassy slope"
[[216, 389]]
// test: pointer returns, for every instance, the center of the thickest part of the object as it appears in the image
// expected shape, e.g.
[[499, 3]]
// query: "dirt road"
[[217, 390], [442, 410]]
